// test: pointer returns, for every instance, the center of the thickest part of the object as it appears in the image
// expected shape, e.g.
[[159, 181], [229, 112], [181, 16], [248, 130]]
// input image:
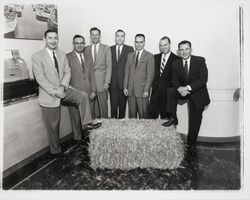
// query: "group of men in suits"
[[151, 84], [57, 85]]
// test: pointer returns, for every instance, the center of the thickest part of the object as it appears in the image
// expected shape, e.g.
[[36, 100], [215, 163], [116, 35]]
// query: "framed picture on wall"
[[29, 21]]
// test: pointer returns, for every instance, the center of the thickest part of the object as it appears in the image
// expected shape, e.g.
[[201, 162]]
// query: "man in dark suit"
[[82, 78], [162, 79], [190, 76], [119, 53], [139, 75]]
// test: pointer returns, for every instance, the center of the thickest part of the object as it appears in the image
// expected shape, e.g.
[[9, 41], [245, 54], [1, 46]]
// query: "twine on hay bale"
[[131, 143]]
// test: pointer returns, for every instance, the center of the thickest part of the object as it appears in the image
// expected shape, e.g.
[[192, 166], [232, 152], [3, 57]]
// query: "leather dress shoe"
[[57, 155], [192, 150], [93, 126], [170, 122], [78, 143]]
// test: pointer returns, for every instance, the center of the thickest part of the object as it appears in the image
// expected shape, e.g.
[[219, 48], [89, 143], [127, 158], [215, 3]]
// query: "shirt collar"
[[117, 46], [188, 60], [50, 51], [78, 53], [139, 51], [167, 54], [97, 45]]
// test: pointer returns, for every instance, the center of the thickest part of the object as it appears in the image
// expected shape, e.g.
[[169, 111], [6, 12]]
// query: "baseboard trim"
[[215, 139], [29, 159]]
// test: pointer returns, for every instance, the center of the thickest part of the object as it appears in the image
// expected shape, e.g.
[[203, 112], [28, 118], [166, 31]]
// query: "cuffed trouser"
[[118, 103], [101, 104], [51, 116], [138, 104], [195, 114]]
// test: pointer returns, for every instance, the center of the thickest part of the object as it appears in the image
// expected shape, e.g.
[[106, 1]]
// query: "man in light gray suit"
[[101, 58], [52, 72], [139, 75], [82, 78]]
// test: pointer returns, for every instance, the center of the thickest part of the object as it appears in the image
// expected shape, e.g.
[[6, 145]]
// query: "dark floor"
[[215, 167]]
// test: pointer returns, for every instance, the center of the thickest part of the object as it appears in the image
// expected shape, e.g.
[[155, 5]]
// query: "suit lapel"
[[60, 63], [158, 64], [168, 61], [191, 67], [141, 58], [77, 61], [113, 51], [134, 55], [87, 52], [99, 53], [122, 53]]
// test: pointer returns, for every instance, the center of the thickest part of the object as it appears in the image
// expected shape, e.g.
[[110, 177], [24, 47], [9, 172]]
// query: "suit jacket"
[[47, 77], [197, 79], [118, 67], [102, 65], [82, 79], [161, 83], [139, 79]]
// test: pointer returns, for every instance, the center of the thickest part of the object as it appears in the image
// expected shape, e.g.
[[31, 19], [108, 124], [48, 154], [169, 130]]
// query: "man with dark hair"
[[139, 75], [82, 78], [190, 76], [162, 79], [52, 72], [119, 53], [49, 31], [95, 29], [100, 55]]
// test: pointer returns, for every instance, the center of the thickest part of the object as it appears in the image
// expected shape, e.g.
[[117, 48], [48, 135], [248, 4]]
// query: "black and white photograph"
[[29, 21], [124, 99]]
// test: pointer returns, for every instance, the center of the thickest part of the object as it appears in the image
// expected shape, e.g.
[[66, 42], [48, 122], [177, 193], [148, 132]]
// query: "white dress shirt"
[[50, 52], [93, 49], [140, 52], [78, 56], [117, 50]]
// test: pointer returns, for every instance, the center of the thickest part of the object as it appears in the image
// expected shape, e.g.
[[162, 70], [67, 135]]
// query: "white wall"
[[211, 26]]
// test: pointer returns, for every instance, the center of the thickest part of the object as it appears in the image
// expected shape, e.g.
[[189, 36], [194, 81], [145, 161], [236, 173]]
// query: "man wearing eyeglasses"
[[82, 78], [52, 72]]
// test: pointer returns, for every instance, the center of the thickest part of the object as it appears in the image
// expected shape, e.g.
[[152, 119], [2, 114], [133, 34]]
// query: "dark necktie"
[[56, 63], [186, 68], [95, 53], [82, 62], [136, 59], [119, 53]]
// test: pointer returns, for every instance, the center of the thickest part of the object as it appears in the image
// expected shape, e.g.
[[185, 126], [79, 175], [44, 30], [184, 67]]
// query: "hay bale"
[[132, 143]]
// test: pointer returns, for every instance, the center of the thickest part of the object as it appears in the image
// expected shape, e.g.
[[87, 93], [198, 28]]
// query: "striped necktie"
[[162, 64]]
